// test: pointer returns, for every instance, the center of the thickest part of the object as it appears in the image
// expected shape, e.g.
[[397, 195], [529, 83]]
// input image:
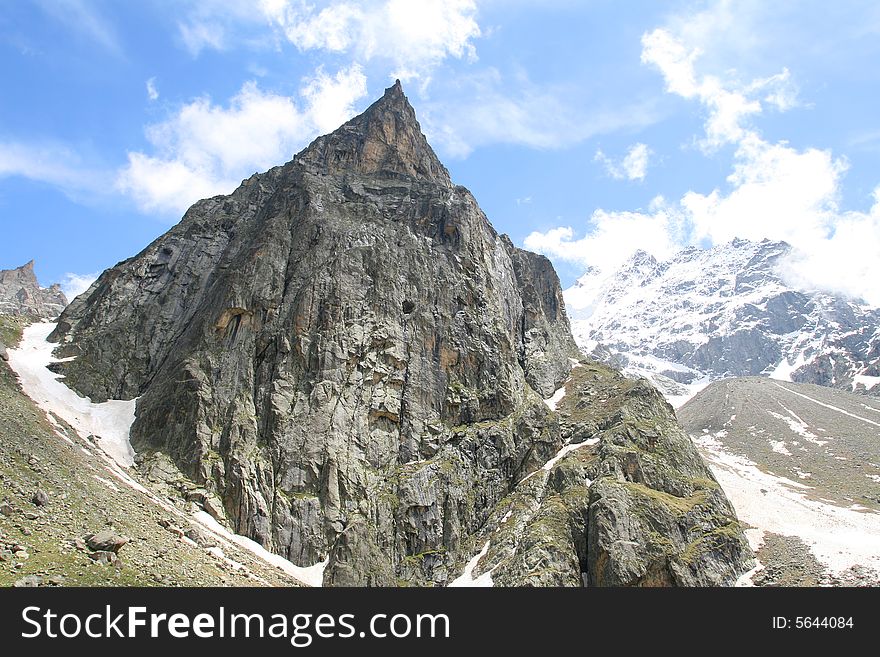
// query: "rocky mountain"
[[706, 314], [21, 294], [801, 464], [349, 365]]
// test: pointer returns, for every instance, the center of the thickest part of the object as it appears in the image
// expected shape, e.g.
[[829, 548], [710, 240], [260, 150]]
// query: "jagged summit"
[[386, 139], [21, 294]]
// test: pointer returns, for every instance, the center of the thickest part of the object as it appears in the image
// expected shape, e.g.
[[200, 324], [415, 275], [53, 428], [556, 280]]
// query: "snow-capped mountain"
[[725, 311]]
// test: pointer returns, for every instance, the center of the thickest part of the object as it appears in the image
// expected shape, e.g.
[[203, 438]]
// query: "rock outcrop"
[[21, 294], [348, 357]]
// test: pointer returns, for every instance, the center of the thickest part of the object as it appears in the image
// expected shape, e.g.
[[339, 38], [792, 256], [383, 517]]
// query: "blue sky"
[[585, 129]]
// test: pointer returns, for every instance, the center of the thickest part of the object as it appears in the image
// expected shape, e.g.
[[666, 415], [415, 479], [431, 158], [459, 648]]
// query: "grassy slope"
[[32, 456]]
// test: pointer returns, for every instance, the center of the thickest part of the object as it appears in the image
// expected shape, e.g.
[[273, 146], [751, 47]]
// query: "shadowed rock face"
[[21, 294], [349, 357]]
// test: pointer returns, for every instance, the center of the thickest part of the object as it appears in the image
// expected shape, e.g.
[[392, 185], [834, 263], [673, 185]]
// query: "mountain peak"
[[385, 140], [21, 294], [395, 88]]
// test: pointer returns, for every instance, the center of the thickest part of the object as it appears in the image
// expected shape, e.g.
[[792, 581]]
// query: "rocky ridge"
[[21, 294], [347, 357]]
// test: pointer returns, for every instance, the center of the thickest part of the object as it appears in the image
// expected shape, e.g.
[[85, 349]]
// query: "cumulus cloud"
[[777, 191], [416, 36], [613, 237], [634, 165], [206, 149], [846, 261], [774, 191], [75, 284]]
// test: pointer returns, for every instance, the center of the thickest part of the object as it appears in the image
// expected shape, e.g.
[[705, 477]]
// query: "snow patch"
[[692, 389], [838, 537], [310, 575], [106, 482], [747, 579], [564, 451], [555, 399], [466, 579], [783, 371], [779, 447], [219, 554], [833, 408], [109, 421], [867, 381], [798, 426]]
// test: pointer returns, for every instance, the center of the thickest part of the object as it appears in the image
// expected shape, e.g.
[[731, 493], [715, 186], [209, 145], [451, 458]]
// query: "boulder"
[[105, 540]]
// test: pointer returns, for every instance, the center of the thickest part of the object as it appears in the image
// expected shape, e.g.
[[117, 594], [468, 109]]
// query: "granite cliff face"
[[351, 365], [21, 294]]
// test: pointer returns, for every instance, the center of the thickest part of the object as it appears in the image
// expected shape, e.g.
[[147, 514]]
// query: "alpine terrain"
[[344, 362], [707, 314], [801, 464]]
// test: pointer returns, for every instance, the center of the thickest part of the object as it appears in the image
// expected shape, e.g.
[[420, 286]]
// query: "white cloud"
[[83, 17], [198, 35], [330, 100], [221, 25], [729, 103], [775, 191], [634, 165], [75, 284], [479, 109], [205, 149], [727, 109], [53, 163], [415, 36], [152, 92], [847, 261], [613, 237]]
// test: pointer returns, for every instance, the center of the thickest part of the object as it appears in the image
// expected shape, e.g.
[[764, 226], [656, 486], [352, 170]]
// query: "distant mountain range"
[[707, 314]]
